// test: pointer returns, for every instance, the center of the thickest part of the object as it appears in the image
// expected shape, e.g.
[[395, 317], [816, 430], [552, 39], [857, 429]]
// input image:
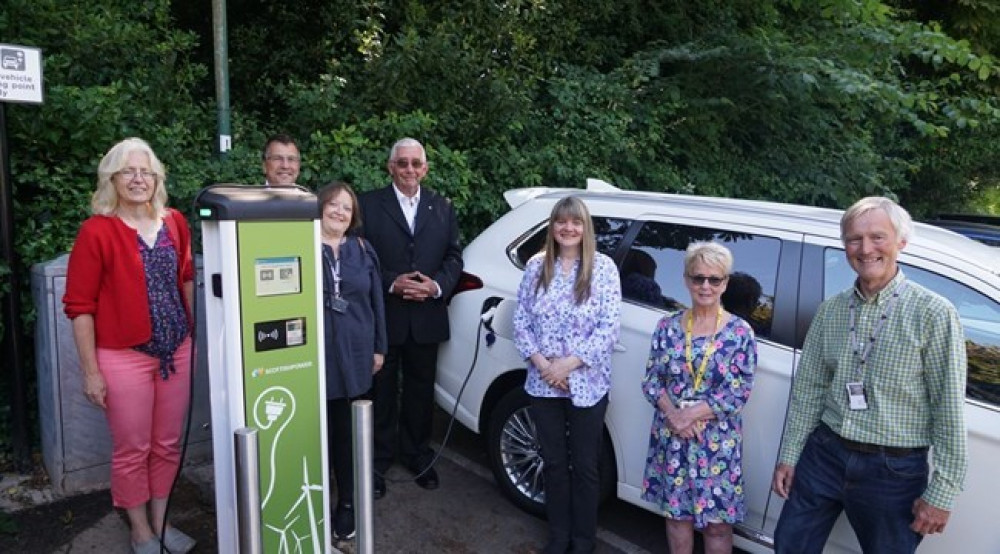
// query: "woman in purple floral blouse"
[[566, 326], [699, 376]]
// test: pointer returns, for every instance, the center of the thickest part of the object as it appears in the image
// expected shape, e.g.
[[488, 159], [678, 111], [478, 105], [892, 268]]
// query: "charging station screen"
[[276, 276]]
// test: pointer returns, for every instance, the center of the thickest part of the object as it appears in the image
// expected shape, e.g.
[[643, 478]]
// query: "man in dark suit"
[[415, 234]]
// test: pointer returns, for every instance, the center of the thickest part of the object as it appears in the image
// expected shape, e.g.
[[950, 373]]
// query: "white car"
[[795, 257]]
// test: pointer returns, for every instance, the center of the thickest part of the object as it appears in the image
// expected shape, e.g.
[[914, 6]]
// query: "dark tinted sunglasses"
[[712, 279]]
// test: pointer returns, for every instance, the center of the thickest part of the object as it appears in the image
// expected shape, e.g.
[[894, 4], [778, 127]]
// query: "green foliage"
[[801, 102], [812, 102], [989, 200], [112, 69]]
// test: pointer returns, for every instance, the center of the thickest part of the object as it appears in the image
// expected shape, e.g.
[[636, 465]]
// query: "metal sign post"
[[20, 81]]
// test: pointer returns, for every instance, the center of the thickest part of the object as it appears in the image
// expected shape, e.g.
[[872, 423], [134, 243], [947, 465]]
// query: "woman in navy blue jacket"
[[354, 319]]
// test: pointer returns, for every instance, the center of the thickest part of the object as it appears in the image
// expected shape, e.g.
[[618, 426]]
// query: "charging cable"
[[485, 320], [187, 424]]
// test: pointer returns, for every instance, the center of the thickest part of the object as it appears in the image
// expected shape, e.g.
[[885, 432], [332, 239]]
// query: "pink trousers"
[[145, 414]]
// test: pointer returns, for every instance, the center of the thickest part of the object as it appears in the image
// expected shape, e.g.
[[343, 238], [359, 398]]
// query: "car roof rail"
[[516, 197], [970, 218], [598, 185]]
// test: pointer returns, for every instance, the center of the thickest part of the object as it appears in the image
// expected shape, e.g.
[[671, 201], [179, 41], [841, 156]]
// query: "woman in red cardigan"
[[129, 287]]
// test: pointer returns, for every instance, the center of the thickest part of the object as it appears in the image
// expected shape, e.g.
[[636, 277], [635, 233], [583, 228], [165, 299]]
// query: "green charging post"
[[265, 350]]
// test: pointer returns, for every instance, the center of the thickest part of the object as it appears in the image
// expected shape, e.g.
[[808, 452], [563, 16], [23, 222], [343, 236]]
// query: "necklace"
[[145, 228], [709, 349]]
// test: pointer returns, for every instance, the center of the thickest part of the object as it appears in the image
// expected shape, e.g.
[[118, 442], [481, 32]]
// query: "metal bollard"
[[361, 416], [247, 491]]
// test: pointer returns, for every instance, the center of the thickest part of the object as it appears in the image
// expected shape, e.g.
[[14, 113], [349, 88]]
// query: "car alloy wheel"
[[515, 453]]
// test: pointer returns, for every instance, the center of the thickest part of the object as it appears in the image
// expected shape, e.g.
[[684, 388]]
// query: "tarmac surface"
[[466, 514]]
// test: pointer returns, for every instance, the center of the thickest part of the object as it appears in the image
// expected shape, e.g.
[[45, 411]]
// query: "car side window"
[[980, 317], [608, 233], [653, 271]]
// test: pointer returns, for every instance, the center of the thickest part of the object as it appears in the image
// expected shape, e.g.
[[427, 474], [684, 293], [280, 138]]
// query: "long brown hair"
[[570, 207]]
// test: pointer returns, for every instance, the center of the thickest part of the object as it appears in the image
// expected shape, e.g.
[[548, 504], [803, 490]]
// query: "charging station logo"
[[266, 371]]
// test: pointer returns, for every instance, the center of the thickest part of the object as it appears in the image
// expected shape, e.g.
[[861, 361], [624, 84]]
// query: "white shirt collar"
[[406, 200]]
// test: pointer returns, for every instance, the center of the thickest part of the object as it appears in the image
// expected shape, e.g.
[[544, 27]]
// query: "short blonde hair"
[[901, 221], [711, 254], [105, 198]]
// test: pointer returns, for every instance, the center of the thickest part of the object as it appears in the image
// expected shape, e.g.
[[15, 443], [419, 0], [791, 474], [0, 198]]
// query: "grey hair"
[[405, 143], [900, 218], [709, 253]]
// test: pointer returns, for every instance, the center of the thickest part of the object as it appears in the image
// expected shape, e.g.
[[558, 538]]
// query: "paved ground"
[[466, 515]]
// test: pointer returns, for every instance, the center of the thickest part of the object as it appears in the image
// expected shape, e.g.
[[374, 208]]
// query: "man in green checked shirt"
[[880, 383]]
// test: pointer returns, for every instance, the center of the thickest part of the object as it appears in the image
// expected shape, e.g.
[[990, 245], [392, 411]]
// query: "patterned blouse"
[[549, 321], [166, 308]]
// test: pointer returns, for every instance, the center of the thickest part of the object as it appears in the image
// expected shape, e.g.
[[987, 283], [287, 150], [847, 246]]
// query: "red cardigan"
[[105, 278]]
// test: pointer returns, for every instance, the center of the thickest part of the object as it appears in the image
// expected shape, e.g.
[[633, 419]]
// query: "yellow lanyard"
[[709, 349]]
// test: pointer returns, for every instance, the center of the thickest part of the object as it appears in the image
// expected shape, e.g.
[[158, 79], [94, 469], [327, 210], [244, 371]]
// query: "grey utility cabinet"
[[76, 444]]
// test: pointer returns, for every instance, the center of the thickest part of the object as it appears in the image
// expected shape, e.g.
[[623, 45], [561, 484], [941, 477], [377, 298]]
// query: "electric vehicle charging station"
[[263, 275]]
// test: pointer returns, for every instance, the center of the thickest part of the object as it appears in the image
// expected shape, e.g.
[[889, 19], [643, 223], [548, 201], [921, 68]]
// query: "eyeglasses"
[[403, 163], [132, 173], [711, 279], [287, 159]]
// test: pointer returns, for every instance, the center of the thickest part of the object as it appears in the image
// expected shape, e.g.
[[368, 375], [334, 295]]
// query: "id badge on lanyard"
[[856, 397], [337, 304]]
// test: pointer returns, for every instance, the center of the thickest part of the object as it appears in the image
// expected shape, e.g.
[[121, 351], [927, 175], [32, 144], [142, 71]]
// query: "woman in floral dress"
[[699, 376]]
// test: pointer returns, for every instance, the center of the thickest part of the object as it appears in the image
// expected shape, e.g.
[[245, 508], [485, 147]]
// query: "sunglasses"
[[402, 163], [711, 279]]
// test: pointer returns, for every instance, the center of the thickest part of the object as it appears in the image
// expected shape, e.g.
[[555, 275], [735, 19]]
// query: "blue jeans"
[[570, 440], [876, 491]]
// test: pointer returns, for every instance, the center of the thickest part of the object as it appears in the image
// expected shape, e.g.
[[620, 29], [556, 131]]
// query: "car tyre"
[[515, 459]]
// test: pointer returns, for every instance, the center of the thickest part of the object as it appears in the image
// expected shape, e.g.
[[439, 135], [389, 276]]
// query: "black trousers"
[[404, 406], [570, 438], [340, 446]]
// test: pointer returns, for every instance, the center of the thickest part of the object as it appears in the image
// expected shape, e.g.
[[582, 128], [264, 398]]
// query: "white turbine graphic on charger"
[[307, 488], [273, 409], [283, 531], [298, 541]]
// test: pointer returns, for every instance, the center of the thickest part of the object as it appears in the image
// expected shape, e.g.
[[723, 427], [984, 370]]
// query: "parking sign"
[[20, 74]]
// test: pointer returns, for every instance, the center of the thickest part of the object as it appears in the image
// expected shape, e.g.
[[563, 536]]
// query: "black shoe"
[[343, 522], [378, 491], [429, 479]]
